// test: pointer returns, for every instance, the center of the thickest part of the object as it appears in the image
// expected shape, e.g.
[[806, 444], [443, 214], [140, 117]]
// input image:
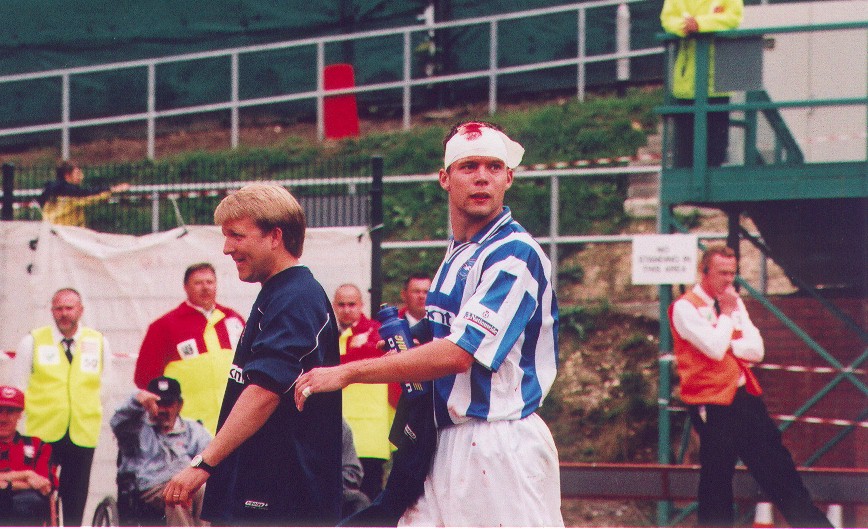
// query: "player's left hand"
[[181, 488]]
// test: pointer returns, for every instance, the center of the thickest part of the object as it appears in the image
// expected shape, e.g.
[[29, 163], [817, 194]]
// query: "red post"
[[341, 112]]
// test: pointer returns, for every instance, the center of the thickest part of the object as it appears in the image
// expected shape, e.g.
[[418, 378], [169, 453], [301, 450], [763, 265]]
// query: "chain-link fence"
[[333, 192]]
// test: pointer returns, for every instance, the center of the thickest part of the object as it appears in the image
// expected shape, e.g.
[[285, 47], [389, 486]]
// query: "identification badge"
[[90, 351], [188, 349], [49, 355]]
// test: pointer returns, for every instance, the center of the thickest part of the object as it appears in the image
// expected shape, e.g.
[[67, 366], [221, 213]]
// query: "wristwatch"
[[198, 462]]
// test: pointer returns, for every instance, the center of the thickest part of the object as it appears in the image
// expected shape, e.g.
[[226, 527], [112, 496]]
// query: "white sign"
[[664, 259]]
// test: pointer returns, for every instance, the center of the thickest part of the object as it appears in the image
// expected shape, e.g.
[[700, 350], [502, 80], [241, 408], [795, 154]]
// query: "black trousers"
[[372, 482], [744, 430], [75, 462], [717, 135]]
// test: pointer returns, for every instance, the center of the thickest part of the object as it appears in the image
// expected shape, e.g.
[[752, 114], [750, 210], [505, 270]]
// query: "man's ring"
[[306, 392]]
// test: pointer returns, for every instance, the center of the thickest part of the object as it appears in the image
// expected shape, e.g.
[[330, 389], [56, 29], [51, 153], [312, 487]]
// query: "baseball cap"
[[11, 397], [168, 389]]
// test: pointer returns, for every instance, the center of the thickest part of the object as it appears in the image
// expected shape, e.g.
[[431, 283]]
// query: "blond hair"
[[269, 206]]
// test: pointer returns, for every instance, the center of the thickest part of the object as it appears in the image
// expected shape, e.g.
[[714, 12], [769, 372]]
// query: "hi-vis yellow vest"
[[203, 381], [61, 397], [366, 409], [711, 15], [203, 378]]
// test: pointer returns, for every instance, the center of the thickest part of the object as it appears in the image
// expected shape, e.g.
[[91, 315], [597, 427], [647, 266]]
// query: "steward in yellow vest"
[[62, 370], [686, 18], [65, 397], [709, 16]]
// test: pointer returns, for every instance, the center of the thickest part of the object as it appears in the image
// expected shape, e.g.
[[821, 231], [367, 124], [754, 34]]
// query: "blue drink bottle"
[[396, 332], [394, 329]]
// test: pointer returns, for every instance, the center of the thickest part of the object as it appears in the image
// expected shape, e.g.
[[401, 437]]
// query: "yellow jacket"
[[366, 406], [711, 16], [203, 380], [61, 397], [69, 211]]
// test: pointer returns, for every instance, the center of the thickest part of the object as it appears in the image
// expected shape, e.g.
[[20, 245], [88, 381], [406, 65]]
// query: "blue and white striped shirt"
[[492, 296]]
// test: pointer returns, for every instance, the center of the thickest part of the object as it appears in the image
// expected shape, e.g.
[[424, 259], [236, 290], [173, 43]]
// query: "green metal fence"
[[166, 195]]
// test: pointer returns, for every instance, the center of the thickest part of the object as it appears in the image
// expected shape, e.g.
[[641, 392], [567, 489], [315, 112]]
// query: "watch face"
[[196, 461]]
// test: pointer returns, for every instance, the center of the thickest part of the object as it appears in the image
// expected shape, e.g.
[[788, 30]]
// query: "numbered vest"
[[65, 397]]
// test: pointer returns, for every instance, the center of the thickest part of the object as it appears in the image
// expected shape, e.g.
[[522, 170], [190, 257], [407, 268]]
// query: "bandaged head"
[[476, 139]]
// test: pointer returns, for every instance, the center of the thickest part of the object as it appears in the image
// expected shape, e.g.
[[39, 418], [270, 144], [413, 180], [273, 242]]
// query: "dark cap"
[[11, 397], [168, 389]]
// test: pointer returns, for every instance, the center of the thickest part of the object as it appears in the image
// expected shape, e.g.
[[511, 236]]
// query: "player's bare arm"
[[426, 362], [254, 407]]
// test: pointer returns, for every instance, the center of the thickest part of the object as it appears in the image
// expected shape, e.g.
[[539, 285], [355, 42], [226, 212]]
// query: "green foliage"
[[573, 273], [689, 219], [581, 319]]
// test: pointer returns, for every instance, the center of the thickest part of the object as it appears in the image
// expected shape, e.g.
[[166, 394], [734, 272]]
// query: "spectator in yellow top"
[[63, 200], [685, 18]]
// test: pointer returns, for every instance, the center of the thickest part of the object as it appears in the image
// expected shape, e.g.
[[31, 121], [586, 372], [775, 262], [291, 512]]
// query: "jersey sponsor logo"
[[258, 505], [409, 432], [440, 317], [482, 322], [237, 374], [410, 387]]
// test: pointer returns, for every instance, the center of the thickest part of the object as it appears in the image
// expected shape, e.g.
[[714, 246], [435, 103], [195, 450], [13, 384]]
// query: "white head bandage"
[[475, 139]]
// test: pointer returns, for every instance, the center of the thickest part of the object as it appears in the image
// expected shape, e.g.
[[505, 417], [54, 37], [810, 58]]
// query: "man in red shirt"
[[194, 344], [26, 477]]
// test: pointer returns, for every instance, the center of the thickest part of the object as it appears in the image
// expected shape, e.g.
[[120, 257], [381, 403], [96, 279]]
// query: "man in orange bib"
[[715, 343]]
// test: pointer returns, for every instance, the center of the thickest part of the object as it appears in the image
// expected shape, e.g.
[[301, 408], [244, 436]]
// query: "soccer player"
[[493, 359]]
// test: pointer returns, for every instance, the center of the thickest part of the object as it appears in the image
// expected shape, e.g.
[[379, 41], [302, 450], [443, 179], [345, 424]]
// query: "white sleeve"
[[712, 340], [750, 346]]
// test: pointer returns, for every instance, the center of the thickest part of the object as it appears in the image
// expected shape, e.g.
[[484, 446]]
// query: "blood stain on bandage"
[[471, 130]]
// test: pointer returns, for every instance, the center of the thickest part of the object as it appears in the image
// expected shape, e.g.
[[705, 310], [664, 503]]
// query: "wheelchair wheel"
[[106, 513], [55, 507]]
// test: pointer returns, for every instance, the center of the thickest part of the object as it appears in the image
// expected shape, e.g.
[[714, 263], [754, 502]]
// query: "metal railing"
[[235, 103], [339, 199]]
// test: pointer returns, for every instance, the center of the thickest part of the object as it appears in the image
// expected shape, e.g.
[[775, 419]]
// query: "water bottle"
[[396, 332], [394, 329]]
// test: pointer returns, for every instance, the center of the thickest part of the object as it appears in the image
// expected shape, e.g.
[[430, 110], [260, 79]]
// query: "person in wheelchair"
[[26, 475], [154, 444]]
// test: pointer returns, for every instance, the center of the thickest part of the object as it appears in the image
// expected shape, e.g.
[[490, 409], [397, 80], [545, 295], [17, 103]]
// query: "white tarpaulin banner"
[[127, 281]]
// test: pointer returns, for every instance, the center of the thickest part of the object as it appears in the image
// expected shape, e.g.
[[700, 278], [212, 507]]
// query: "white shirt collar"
[[58, 336], [203, 311], [699, 291]]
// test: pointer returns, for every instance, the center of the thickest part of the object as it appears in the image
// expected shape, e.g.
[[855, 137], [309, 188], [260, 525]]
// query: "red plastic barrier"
[[341, 113]]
